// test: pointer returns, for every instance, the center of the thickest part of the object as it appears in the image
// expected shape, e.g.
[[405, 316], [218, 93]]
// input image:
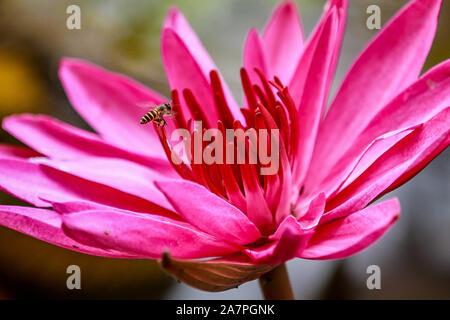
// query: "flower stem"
[[275, 284]]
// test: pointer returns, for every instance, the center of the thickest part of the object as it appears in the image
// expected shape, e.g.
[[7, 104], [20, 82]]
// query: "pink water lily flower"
[[117, 193]]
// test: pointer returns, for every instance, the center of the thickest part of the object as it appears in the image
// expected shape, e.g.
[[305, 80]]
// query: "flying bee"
[[157, 113]]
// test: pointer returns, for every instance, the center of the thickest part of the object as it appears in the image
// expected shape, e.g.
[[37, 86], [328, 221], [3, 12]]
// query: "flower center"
[[271, 125]]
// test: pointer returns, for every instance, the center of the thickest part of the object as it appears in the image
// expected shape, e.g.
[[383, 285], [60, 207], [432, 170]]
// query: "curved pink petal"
[[60, 140], [208, 212], [283, 41], [427, 97], [188, 64], [176, 21], [313, 99], [347, 236], [284, 244], [45, 225], [258, 210], [418, 147], [9, 151], [255, 57], [109, 103], [337, 8], [284, 206], [390, 63], [419, 163], [376, 150], [417, 104], [34, 182], [144, 235], [121, 175], [350, 167], [311, 217], [184, 72], [341, 10]]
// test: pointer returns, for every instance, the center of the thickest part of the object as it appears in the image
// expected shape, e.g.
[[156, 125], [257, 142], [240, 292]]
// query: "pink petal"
[[283, 41], [121, 175], [184, 72], [311, 216], [376, 150], [45, 225], [208, 212], [427, 96], [390, 63], [341, 9], [350, 167], [176, 21], [188, 64], [288, 240], [109, 103], [33, 182], [258, 210], [8, 151], [417, 148], [314, 96], [284, 205], [417, 104], [349, 235], [254, 56], [59, 140], [142, 234], [337, 8], [418, 164]]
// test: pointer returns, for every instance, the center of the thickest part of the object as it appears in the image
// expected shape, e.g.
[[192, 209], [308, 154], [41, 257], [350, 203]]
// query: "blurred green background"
[[124, 36]]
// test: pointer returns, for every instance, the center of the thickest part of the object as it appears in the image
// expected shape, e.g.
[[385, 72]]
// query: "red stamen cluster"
[[241, 184]]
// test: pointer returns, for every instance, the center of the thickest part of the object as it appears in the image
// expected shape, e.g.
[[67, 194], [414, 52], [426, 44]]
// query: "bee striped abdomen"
[[157, 114], [149, 116]]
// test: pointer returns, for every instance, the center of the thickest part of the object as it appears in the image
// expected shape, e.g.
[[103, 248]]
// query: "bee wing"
[[146, 105]]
